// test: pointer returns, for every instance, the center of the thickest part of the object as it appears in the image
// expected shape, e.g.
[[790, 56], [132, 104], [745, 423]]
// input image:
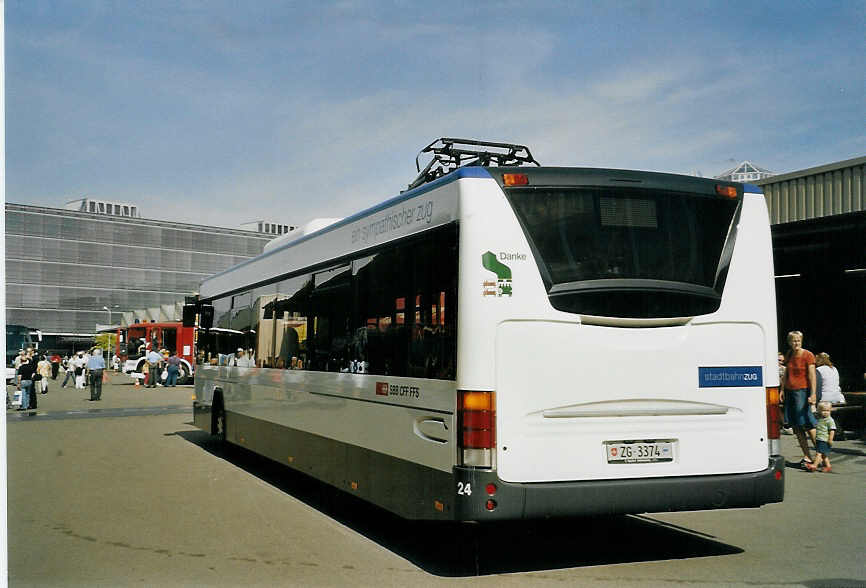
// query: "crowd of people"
[[80, 370], [33, 372], [809, 389], [161, 368]]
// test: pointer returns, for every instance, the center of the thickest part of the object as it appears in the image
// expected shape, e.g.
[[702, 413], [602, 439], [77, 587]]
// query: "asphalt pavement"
[[99, 494]]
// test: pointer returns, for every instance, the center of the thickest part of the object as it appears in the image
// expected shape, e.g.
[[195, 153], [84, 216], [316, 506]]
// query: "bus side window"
[[209, 340], [330, 308], [222, 313], [289, 327], [402, 313], [262, 335], [433, 346]]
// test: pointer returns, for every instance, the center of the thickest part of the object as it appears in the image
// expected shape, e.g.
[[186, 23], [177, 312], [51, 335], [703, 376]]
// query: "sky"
[[219, 113]]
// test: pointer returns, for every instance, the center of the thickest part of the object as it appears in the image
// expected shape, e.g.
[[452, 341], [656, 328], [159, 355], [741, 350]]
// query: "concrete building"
[[819, 250], [267, 226], [69, 272]]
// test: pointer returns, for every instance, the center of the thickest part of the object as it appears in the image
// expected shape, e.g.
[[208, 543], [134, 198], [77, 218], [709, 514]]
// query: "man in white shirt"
[[153, 360], [241, 359]]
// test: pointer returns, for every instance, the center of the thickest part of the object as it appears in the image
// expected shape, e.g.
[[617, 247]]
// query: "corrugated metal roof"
[[834, 188]]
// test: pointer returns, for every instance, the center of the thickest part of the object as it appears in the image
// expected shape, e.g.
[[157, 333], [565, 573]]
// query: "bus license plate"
[[639, 451]]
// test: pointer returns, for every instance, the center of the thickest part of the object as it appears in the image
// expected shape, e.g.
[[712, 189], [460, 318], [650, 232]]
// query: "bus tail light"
[[774, 416], [774, 421], [476, 428]]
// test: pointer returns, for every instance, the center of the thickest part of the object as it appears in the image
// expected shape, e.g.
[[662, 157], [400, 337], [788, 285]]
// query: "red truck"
[[134, 341]]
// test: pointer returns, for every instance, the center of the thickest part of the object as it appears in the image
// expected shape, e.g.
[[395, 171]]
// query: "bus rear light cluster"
[[774, 415], [490, 489], [774, 422], [490, 504], [476, 426]]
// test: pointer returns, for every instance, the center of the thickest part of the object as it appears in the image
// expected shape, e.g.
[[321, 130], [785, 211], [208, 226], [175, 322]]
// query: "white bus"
[[504, 341]]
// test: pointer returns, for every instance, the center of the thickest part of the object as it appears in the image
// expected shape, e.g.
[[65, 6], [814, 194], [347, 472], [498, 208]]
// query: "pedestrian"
[[240, 359], [55, 360], [78, 364], [26, 371], [798, 391], [786, 428], [153, 360], [44, 369], [145, 370], [825, 431], [69, 370], [828, 380], [173, 370], [95, 367], [16, 363]]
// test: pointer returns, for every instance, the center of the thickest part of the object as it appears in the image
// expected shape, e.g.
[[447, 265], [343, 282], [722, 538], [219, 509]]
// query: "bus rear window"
[[626, 252]]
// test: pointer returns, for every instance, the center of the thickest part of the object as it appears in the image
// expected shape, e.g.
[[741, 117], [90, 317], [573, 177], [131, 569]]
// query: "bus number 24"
[[464, 489]]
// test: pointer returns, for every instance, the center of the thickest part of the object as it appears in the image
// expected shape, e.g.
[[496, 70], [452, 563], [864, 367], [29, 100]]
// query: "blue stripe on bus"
[[752, 189], [730, 377], [462, 172]]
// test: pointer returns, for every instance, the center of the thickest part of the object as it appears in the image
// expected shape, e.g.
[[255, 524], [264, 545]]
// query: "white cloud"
[[320, 112]]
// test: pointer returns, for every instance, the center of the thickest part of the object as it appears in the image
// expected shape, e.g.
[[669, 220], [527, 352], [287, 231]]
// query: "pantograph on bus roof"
[[449, 154]]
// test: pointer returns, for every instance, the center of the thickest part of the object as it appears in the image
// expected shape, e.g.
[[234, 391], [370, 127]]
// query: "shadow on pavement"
[[834, 583], [461, 549], [846, 453]]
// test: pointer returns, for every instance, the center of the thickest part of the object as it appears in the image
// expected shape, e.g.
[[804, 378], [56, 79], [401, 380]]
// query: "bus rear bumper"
[[612, 497]]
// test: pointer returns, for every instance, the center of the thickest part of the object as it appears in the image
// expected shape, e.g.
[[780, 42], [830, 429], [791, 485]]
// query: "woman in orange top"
[[798, 391]]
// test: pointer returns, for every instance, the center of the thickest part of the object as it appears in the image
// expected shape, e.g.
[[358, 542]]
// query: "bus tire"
[[218, 423]]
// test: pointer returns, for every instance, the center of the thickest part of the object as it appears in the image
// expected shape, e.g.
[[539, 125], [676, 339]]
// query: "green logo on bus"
[[502, 285]]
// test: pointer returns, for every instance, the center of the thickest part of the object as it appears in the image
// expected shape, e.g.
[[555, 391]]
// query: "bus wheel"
[[219, 422]]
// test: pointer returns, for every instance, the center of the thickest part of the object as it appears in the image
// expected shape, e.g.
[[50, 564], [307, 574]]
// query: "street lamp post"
[[109, 314]]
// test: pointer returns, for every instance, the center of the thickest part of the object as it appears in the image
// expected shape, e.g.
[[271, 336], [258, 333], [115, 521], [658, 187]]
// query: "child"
[[825, 430]]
